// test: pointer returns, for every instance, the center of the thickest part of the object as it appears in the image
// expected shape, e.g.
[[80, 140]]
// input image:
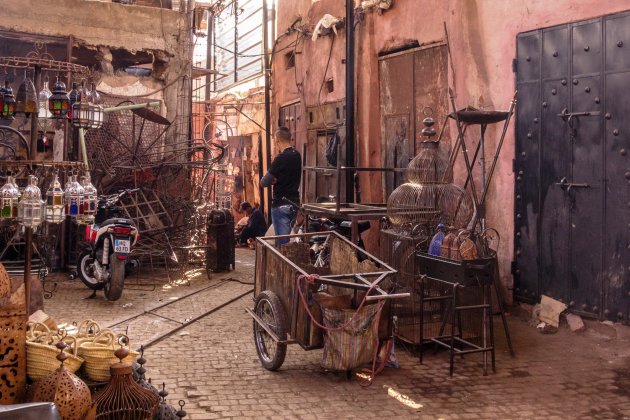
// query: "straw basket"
[[41, 354], [99, 355]]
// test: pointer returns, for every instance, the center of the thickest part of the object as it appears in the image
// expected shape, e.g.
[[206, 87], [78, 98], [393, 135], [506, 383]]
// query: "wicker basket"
[[99, 355], [41, 353]]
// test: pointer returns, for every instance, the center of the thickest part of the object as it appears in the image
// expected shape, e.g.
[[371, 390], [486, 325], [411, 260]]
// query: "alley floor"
[[210, 361]]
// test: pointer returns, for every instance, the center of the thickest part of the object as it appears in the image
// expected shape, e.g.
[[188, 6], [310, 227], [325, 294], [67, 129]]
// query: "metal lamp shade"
[[8, 103], [86, 115], [58, 101], [54, 202], [31, 206], [26, 98], [73, 196], [9, 196]]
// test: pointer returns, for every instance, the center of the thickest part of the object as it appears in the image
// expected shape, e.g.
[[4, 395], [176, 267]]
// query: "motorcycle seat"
[[117, 221]]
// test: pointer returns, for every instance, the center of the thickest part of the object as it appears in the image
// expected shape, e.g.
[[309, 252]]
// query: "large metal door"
[[572, 207]]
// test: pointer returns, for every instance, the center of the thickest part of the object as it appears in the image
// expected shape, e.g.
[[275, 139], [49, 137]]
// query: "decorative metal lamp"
[[90, 199], [69, 393], [30, 207], [54, 202], [123, 398], [74, 198], [9, 195], [58, 103], [26, 98], [73, 96], [8, 102]]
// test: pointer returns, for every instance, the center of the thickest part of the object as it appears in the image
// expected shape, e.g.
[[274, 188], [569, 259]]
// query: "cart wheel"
[[269, 308]]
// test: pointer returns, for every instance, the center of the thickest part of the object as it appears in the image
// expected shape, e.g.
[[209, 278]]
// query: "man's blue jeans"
[[282, 218]]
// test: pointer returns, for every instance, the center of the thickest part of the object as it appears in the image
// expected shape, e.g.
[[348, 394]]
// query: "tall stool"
[[458, 295]]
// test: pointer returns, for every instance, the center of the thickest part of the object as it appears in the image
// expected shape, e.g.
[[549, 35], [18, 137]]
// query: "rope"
[[311, 279]]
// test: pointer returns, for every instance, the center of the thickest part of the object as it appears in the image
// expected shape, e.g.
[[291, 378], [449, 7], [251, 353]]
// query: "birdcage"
[[430, 165]]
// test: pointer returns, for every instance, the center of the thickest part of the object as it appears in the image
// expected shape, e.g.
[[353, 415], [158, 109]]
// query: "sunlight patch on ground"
[[401, 398]]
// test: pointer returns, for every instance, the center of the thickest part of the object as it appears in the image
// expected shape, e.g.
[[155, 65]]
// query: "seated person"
[[256, 224]]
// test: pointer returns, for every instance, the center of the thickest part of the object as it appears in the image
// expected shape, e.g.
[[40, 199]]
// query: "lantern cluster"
[[78, 201]]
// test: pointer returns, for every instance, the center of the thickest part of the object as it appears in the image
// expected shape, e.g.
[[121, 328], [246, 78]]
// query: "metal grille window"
[[238, 41]]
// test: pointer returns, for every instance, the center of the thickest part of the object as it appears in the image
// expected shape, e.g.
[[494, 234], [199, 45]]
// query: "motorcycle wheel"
[[114, 287], [84, 269]]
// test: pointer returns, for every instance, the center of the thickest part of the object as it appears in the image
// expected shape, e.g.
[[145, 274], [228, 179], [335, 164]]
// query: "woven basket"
[[41, 354], [99, 355]]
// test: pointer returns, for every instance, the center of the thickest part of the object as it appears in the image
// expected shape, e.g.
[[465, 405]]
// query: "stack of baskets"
[[90, 347], [41, 353]]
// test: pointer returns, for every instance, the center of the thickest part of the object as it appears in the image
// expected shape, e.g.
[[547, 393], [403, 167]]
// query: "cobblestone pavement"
[[212, 365]]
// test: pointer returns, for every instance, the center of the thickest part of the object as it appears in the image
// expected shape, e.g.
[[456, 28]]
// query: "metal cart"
[[281, 318]]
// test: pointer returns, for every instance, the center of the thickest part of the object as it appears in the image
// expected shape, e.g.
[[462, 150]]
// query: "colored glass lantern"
[[73, 97], [26, 100], [58, 103], [9, 196], [73, 196], [8, 102], [90, 199], [54, 202], [30, 207]]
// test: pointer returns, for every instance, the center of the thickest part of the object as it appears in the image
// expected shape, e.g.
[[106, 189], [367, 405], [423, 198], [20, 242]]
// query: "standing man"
[[285, 175]]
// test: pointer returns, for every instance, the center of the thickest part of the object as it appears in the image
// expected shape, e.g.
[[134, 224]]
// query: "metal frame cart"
[[280, 318]]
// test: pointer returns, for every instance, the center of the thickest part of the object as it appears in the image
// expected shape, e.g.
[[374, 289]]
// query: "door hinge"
[[514, 65]]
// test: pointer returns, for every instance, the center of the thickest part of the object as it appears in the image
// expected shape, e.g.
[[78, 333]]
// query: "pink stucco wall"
[[482, 36]]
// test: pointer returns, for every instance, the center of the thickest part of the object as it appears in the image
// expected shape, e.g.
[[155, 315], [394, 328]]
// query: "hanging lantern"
[[54, 202], [90, 199], [58, 101], [30, 207], [73, 198], [26, 98], [43, 97], [9, 195], [86, 114], [8, 102]]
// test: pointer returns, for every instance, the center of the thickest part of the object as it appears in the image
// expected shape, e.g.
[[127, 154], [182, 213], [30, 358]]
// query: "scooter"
[[319, 249], [111, 239]]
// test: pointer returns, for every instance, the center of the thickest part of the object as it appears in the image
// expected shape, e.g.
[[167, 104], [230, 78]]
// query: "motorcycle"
[[111, 239]]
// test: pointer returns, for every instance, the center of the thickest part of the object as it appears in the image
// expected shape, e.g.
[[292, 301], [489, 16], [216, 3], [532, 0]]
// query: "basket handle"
[[32, 333]]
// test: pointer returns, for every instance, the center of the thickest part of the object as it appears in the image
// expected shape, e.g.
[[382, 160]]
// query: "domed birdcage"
[[413, 205], [431, 165]]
